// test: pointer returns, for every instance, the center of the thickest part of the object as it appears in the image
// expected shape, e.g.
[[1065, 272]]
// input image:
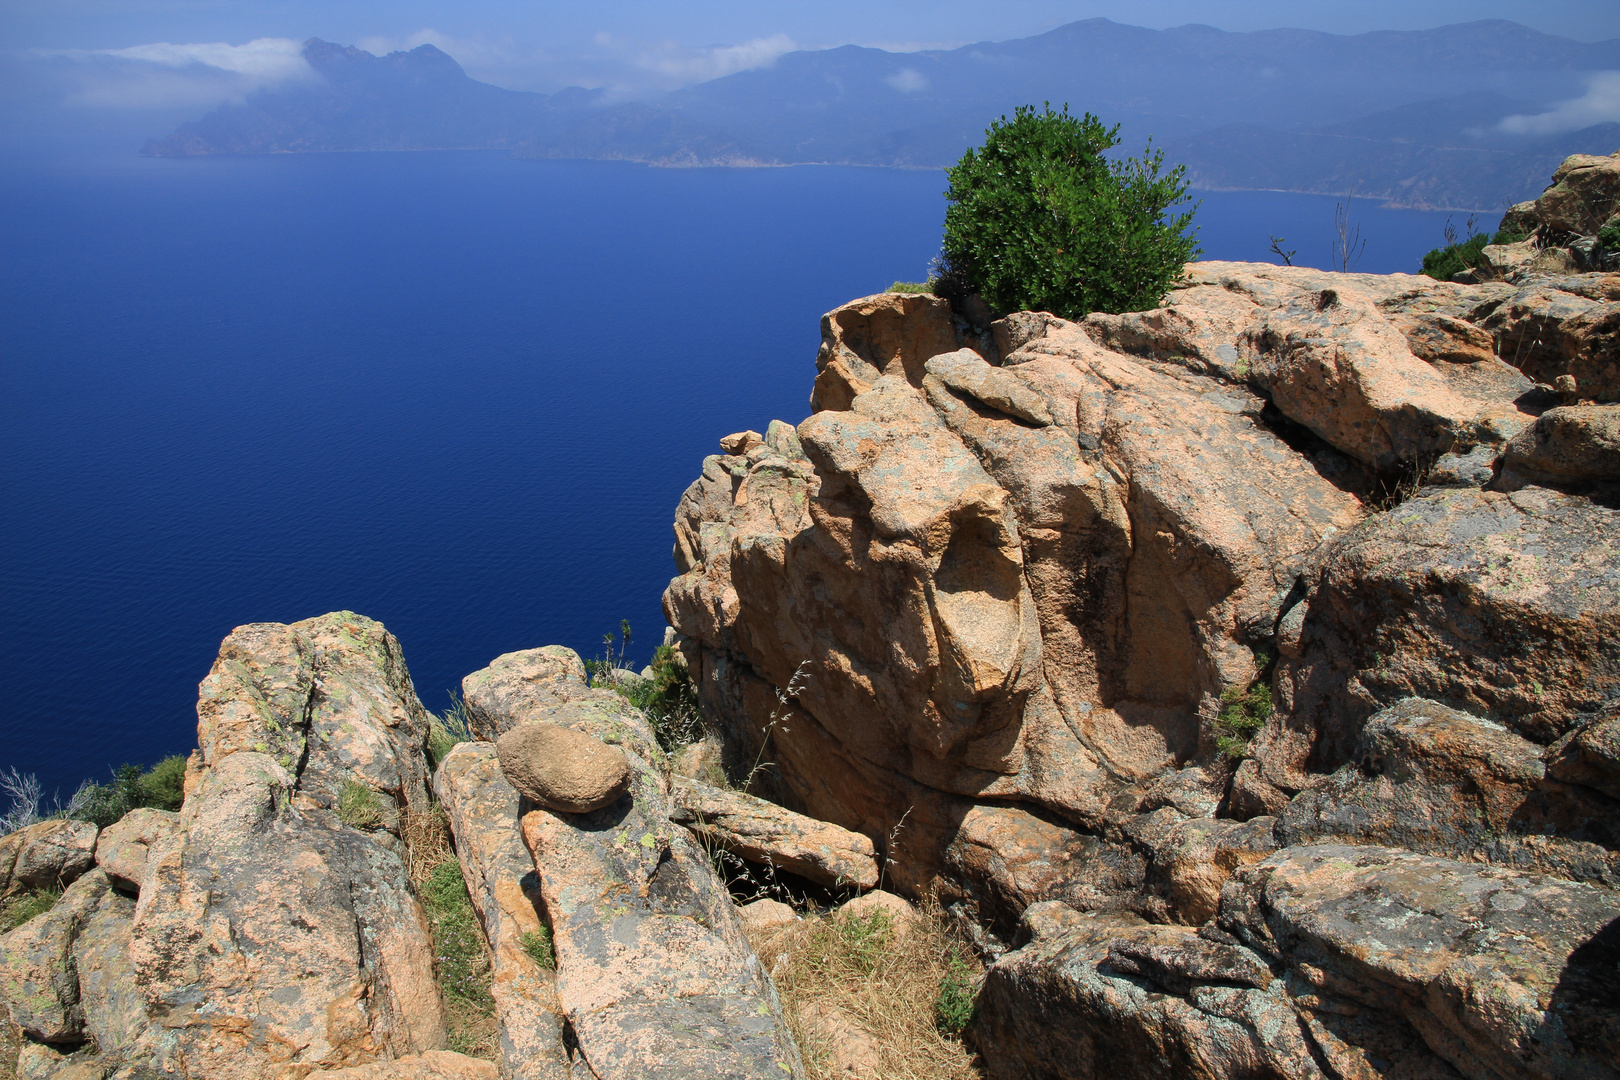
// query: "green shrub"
[[1243, 713], [1040, 219], [1454, 258], [958, 999], [162, 787], [537, 944], [912, 286], [866, 938], [359, 807], [666, 699]]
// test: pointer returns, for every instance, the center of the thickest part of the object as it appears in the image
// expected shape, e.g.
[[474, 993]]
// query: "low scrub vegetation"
[[162, 787], [1243, 713], [912, 286], [448, 730], [1467, 254], [21, 907], [893, 1001], [663, 692]]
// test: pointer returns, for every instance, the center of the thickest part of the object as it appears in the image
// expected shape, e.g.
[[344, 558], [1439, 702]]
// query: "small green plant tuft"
[[1040, 219], [20, 908], [958, 1000], [912, 286], [666, 697], [1243, 713], [359, 807], [537, 944], [449, 730], [161, 787], [866, 938]]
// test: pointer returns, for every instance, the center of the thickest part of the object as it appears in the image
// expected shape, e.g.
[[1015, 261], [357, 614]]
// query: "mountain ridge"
[[1283, 94]]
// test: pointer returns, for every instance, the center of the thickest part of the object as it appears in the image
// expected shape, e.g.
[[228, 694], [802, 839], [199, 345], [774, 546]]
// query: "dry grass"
[[857, 991], [427, 840]]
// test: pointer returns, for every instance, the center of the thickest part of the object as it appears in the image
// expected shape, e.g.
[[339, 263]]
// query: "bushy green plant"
[[1243, 713], [1609, 238], [866, 938], [162, 787], [912, 286], [1455, 257], [666, 698], [958, 999], [1041, 219]]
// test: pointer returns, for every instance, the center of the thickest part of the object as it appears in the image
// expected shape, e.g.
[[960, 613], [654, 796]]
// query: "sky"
[[631, 47]]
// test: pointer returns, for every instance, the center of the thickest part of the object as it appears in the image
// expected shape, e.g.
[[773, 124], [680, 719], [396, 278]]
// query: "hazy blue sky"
[[190, 54]]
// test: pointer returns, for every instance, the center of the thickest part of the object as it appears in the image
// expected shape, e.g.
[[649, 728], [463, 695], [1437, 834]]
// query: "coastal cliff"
[[1230, 689]]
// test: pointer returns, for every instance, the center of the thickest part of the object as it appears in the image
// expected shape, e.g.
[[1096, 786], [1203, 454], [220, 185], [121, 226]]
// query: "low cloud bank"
[[1599, 105]]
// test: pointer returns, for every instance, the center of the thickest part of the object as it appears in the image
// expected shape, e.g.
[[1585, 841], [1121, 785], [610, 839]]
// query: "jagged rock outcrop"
[[269, 938], [1011, 603]]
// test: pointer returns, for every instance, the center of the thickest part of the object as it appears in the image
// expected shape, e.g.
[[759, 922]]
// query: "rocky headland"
[[1241, 678]]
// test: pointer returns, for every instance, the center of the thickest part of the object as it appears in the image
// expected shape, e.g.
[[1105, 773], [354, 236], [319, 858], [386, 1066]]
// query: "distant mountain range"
[[1286, 109]]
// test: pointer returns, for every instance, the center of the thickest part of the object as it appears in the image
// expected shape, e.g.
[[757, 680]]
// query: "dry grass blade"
[[862, 996], [426, 833]]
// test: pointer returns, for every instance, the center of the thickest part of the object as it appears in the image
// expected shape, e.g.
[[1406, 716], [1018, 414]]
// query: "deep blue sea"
[[459, 393]]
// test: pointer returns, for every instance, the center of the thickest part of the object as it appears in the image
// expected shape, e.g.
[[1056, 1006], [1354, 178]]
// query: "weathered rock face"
[[269, 938], [505, 891], [653, 971], [1325, 961], [1010, 602], [1018, 586]]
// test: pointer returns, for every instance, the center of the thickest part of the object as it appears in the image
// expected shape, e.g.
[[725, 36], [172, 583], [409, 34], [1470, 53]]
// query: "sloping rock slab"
[[1502, 974], [653, 971], [763, 832], [505, 890], [1504, 606], [1436, 780]]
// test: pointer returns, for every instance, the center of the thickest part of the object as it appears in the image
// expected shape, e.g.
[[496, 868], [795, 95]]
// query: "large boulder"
[[1575, 448], [1583, 196], [516, 684], [123, 846], [46, 854], [562, 769], [270, 937]]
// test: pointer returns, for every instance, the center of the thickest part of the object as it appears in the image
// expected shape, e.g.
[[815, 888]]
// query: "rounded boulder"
[[562, 769]]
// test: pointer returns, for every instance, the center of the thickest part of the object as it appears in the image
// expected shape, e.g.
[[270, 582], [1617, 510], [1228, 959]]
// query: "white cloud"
[[1599, 105], [163, 74], [688, 65], [907, 81]]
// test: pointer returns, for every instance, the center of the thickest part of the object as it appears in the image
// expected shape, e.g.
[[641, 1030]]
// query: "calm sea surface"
[[455, 392]]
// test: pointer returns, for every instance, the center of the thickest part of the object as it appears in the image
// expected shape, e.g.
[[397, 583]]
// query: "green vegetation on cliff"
[[1041, 220]]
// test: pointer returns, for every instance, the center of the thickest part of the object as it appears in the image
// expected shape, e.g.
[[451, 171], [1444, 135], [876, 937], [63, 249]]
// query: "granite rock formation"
[[1123, 622]]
